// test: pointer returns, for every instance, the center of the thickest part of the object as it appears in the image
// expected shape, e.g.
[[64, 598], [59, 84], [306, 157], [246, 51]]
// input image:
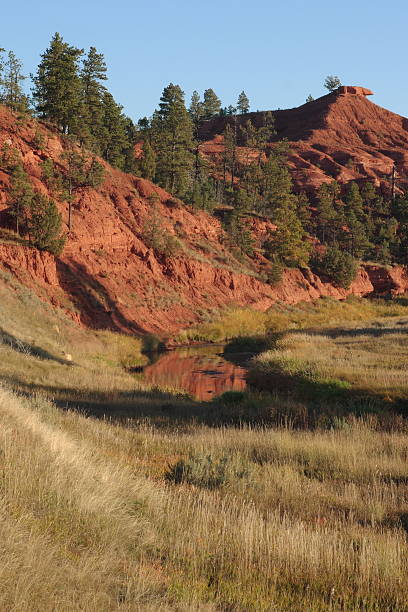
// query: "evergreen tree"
[[287, 245], [172, 139], [239, 232], [114, 139], [243, 103], [337, 266], [309, 98], [303, 213], [211, 104], [44, 225], [11, 84], [332, 82], [326, 213], [276, 184], [132, 136], [148, 161], [57, 86], [229, 155], [1, 62], [92, 73], [20, 194], [354, 202], [82, 171], [196, 111]]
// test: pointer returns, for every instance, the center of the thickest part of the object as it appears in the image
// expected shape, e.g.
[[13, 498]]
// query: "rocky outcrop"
[[353, 90], [341, 136], [387, 280]]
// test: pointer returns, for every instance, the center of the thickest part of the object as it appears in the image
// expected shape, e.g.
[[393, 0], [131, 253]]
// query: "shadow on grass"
[[327, 400], [265, 408], [29, 349]]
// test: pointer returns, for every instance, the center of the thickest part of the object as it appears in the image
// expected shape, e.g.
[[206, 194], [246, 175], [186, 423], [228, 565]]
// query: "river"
[[202, 371]]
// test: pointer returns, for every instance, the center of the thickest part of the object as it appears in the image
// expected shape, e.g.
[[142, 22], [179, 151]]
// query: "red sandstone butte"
[[342, 136], [112, 279]]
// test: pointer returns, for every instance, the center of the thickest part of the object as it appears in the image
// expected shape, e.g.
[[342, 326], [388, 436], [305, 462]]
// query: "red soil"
[[339, 136], [107, 275]]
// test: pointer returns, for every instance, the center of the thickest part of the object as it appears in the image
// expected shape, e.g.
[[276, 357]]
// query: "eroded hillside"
[[110, 276], [341, 136]]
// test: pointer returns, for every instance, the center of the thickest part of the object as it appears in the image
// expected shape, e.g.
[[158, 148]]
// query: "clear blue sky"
[[278, 52]]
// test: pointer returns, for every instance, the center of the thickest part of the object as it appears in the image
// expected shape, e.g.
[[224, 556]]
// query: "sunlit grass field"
[[118, 496], [371, 359]]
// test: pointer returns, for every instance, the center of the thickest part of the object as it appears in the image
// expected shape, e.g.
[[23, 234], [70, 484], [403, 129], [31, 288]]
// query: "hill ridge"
[[337, 136]]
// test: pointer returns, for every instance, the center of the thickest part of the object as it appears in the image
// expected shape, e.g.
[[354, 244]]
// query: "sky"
[[277, 52]]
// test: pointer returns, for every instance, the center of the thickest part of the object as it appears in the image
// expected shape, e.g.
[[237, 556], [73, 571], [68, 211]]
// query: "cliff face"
[[109, 277], [338, 136]]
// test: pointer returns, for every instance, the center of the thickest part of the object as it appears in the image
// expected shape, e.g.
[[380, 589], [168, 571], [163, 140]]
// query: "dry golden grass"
[[160, 512], [372, 359], [326, 312], [296, 521]]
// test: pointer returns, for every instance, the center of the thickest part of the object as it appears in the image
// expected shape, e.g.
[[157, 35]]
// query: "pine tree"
[[114, 139], [229, 156], [1, 62], [172, 139], [92, 73], [332, 82], [309, 98], [211, 104], [57, 86], [287, 245], [326, 213], [11, 84], [132, 136], [196, 111], [148, 161], [44, 225], [20, 195], [82, 171], [276, 184], [354, 202], [243, 103]]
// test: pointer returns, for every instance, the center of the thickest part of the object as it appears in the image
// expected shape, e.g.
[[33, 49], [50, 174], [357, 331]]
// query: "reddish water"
[[201, 371]]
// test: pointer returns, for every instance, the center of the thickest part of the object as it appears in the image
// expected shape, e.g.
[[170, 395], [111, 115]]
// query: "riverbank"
[[118, 493]]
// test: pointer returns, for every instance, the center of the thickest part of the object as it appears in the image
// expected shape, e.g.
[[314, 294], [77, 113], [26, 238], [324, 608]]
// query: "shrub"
[[337, 266], [205, 471], [156, 237], [44, 225], [275, 273]]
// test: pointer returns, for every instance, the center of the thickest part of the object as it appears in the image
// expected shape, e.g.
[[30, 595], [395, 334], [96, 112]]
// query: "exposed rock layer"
[[343, 137], [109, 277]]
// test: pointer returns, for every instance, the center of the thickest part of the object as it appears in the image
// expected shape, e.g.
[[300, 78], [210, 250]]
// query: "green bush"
[[206, 471], [274, 273], [337, 266], [157, 237]]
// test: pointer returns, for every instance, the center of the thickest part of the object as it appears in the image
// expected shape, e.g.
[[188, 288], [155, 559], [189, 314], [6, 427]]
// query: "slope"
[[342, 136], [111, 276]]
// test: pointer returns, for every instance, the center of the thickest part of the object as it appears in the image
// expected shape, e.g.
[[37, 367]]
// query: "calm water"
[[202, 371]]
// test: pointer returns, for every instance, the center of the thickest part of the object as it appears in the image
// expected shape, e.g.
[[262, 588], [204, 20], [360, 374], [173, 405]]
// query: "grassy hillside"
[[95, 518], [158, 502]]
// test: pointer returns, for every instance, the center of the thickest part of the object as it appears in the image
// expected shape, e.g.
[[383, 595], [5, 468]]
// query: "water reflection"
[[201, 371]]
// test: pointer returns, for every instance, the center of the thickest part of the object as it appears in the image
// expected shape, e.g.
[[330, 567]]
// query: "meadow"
[[118, 496]]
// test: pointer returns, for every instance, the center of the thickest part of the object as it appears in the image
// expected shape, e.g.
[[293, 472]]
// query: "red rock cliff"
[[108, 276]]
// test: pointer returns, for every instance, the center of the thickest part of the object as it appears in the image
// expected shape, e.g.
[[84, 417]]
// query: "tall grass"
[[92, 521], [157, 510], [370, 361], [326, 312]]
